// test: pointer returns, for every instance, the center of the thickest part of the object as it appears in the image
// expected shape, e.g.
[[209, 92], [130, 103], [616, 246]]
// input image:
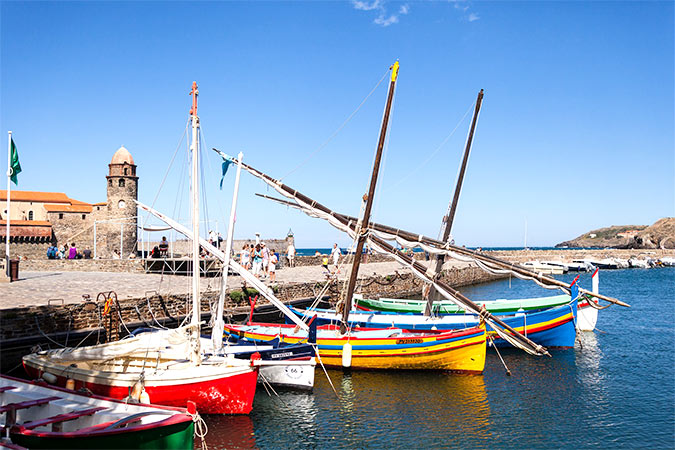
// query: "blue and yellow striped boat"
[[553, 327], [388, 348]]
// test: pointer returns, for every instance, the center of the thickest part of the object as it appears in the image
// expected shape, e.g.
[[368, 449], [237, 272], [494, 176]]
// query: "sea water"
[[615, 389]]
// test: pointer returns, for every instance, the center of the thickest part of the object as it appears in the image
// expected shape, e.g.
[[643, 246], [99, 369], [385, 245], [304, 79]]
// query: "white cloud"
[[384, 21], [384, 18], [365, 6], [473, 17]]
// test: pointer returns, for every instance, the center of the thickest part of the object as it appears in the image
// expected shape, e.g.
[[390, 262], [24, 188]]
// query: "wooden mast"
[[446, 226], [363, 222]]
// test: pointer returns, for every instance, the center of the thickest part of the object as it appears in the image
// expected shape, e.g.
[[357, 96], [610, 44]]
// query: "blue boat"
[[554, 327]]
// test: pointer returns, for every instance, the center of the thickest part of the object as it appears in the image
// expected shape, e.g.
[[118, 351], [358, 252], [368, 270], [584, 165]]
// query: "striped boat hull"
[[457, 350]]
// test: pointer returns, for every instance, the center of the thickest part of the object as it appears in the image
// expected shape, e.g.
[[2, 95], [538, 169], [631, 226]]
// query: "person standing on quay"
[[290, 251], [266, 258], [257, 260], [335, 253]]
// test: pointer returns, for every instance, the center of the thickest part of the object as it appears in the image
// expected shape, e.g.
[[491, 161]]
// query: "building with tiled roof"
[[38, 219]]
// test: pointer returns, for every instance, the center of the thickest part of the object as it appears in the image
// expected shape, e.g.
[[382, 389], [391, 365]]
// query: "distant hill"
[[659, 235]]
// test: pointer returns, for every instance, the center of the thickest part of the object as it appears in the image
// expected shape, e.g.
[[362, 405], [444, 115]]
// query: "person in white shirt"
[[272, 268], [335, 253], [291, 254]]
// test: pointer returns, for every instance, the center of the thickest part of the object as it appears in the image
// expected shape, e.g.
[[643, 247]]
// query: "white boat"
[[667, 261], [580, 266], [541, 267], [639, 263]]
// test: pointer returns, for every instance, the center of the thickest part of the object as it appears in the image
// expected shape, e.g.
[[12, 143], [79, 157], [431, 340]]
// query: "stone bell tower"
[[122, 191]]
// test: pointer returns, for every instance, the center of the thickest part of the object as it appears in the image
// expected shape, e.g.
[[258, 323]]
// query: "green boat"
[[500, 306], [35, 415]]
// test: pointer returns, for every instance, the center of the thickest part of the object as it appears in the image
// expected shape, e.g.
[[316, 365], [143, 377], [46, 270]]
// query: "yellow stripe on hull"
[[462, 355], [467, 355]]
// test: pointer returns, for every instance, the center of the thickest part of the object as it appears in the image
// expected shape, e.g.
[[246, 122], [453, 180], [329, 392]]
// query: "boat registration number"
[[409, 341]]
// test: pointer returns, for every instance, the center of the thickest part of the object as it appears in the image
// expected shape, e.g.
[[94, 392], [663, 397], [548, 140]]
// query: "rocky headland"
[[661, 234]]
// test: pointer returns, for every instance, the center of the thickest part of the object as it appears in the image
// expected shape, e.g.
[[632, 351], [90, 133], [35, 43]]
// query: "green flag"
[[14, 166]]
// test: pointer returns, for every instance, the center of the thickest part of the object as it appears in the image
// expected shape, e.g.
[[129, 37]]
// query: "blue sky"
[[576, 130]]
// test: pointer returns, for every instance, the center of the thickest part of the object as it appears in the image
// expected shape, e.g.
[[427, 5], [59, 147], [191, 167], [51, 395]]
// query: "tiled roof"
[[82, 208], [33, 196], [24, 223], [34, 228], [77, 202]]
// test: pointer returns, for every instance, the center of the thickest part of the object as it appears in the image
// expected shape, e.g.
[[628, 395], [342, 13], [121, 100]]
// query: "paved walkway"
[[37, 288]]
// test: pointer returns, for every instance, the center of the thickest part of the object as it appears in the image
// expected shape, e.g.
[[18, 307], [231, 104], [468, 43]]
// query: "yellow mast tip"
[[394, 71]]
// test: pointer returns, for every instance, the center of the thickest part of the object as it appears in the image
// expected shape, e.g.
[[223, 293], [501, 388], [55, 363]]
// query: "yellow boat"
[[385, 348]]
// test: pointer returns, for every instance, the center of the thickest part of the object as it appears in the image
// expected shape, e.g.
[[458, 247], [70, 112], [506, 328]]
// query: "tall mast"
[[194, 148], [363, 222], [446, 226]]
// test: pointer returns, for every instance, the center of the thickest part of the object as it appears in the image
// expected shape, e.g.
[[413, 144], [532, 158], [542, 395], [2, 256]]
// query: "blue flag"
[[226, 165]]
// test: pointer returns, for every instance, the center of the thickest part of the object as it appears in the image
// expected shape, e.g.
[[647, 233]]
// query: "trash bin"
[[14, 269]]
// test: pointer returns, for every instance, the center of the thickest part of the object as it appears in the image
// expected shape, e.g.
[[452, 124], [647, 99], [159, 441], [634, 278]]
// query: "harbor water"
[[615, 389]]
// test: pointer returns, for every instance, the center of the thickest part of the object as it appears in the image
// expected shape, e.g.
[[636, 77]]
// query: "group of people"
[[260, 260], [65, 252]]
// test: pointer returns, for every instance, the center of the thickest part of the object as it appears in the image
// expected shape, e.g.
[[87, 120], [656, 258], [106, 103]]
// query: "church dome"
[[122, 156]]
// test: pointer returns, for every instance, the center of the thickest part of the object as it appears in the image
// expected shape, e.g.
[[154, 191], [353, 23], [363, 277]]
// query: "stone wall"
[[82, 265], [26, 250]]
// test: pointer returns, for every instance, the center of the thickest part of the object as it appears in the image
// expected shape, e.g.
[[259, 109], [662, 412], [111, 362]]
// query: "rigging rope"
[[430, 157], [330, 138], [168, 169]]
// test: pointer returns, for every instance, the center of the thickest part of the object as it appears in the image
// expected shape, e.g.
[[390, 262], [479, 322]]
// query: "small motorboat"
[[540, 267], [37, 415]]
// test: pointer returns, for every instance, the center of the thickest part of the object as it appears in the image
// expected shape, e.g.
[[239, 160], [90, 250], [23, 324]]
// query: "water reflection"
[[228, 432]]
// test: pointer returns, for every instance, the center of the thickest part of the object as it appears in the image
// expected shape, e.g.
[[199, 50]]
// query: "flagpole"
[[9, 172]]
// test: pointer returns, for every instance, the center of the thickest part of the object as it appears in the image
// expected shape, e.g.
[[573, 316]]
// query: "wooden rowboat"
[[39, 416]]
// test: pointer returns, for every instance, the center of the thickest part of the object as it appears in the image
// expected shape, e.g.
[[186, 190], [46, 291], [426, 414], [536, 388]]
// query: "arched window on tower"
[[121, 182], [110, 182], [125, 171], [30, 215]]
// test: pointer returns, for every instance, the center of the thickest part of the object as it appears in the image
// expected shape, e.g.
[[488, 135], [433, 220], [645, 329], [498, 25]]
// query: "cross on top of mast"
[[194, 93]]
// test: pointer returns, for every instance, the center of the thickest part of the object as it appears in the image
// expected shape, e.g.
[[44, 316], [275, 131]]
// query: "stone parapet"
[[82, 265]]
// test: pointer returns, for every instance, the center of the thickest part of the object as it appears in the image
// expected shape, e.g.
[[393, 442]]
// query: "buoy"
[[144, 398], [70, 384], [137, 390], [49, 378], [347, 355]]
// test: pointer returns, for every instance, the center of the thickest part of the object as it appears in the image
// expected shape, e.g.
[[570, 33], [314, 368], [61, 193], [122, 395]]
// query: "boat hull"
[[177, 436], [448, 307], [458, 350], [587, 316], [553, 327], [229, 392], [108, 424]]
